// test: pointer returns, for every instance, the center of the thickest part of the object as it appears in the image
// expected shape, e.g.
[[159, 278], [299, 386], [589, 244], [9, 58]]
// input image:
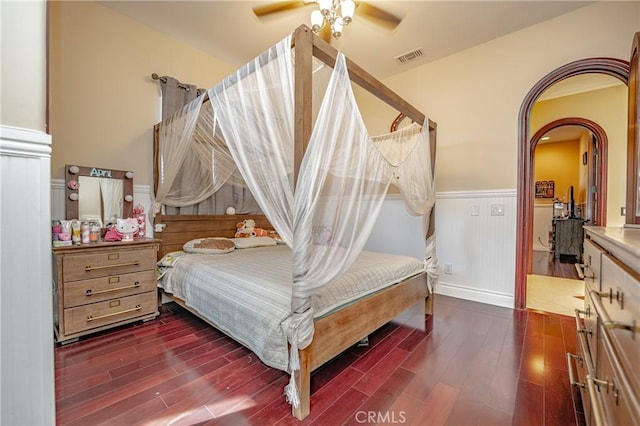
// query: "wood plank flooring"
[[544, 263], [481, 365]]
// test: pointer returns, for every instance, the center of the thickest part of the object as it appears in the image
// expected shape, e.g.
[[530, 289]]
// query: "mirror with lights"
[[92, 193]]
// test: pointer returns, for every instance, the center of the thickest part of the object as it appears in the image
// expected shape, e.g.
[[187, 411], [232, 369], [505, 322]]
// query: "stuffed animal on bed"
[[247, 228]]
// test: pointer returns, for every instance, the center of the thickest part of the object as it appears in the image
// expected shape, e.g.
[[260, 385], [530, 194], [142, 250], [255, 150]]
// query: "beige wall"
[[103, 101], [558, 162], [100, 58], [475, 95], [607, 108], [22, 69]]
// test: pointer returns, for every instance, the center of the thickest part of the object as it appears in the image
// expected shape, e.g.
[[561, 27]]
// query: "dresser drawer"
[[591, 259], [584, 367], [590, 323], [108, 262], [104, 288], [619, 299], [619, 401], [86, 317]]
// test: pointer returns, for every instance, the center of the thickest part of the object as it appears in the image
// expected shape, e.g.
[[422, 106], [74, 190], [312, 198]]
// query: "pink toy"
[[127, 227]]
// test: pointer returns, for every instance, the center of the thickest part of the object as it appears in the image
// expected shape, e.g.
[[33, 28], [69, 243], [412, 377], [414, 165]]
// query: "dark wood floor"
[[545, 263], [481, 365]]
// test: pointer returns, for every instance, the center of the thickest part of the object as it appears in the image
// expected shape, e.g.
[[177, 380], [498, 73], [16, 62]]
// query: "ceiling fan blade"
[[281, 6], [377, 15]]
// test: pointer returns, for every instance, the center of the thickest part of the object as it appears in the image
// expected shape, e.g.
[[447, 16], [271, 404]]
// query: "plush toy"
[[127, 227], [247, 228]]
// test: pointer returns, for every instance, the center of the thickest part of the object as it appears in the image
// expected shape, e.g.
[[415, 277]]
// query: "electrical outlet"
[[448, 268], [497, 209], [475, 210]]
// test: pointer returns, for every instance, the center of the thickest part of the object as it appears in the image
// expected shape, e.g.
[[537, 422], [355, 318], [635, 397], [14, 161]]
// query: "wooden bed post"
[[303, 382], [307, 46], [303, 84], [432, 218]]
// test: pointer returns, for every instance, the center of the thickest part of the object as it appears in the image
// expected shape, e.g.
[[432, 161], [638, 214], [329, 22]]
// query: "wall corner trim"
[[15, 141]]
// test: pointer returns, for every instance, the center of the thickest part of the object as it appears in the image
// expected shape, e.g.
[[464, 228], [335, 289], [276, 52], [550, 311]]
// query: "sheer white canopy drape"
[[246, 133]]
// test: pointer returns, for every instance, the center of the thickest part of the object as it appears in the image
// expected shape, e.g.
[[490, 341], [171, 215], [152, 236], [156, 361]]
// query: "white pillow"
[[211, 245], [253, 242]]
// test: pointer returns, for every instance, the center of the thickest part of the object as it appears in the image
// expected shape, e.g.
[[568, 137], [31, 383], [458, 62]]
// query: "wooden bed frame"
[[338, 331]]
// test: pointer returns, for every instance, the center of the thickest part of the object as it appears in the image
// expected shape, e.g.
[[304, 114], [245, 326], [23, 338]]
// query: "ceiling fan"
[[328, 19]]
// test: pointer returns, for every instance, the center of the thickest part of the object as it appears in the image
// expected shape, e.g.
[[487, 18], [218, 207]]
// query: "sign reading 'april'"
[[100, 173]]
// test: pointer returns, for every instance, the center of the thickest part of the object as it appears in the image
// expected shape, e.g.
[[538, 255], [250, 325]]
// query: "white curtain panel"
[[111, 193]]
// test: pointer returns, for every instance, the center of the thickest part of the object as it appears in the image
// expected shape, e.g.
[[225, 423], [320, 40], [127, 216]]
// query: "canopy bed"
[[286, 127]]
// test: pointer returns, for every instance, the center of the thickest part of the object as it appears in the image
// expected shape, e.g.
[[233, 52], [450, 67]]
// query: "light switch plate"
[[497, 209], [475, 210]]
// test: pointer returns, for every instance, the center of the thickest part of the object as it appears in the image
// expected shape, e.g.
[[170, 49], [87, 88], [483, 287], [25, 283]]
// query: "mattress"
[[247, 293]]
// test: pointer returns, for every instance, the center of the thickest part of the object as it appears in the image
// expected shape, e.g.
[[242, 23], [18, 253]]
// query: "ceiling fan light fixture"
[[325, 6], [317, 21], [347, 8], [336, 13], [336, 27]]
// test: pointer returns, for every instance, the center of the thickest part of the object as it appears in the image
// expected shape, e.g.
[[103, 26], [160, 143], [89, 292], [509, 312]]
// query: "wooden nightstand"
[[103, 285]]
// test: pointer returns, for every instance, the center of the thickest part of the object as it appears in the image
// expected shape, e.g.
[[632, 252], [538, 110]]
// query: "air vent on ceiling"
[[409, 56]]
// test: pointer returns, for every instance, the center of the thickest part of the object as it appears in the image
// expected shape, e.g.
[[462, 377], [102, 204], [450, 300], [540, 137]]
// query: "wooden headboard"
[[178, 229]]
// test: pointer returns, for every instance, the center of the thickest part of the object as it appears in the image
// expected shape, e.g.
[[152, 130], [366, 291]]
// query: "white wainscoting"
[[26, 301], [141, 195], [542, 225], [478, 246], [396, 231]]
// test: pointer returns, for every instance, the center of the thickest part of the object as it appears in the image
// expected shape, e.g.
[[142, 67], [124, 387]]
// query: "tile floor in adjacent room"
[[554, 286], [556, 295]]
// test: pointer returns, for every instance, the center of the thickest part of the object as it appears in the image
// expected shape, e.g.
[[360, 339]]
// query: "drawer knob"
[[90, 268], [602, 294], [92, 318], [572, 380], [606, 321], [89, 292], [587, 314], [620, 325]]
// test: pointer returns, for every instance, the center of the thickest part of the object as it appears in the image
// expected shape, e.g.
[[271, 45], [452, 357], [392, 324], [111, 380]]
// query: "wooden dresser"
[[103, 285], [608, 359]]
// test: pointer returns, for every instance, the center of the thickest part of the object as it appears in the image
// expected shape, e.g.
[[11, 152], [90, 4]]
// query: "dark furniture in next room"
[[568, 235]]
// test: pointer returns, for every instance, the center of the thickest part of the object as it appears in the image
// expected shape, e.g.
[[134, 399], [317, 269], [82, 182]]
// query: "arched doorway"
[[599, 167], [617, 68]]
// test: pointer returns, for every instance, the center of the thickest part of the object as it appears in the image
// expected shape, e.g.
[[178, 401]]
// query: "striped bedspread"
[[247, 293]]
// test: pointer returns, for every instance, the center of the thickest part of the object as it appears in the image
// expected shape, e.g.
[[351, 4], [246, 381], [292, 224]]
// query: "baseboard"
[[482, 296]]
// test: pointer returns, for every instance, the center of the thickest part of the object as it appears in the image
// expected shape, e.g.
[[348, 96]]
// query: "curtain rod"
[[163, 79]]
